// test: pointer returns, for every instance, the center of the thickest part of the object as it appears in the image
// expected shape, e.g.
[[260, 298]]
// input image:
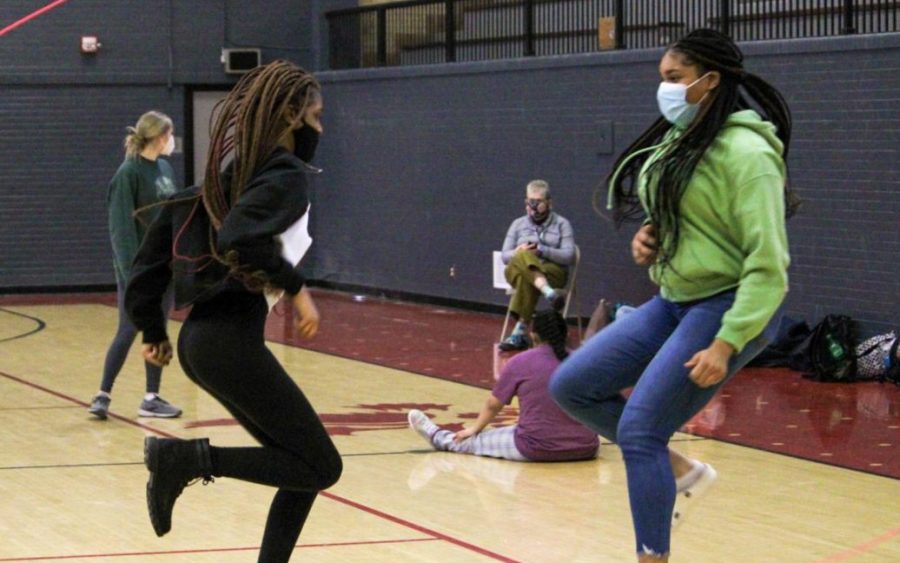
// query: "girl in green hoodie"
[[709, 181]]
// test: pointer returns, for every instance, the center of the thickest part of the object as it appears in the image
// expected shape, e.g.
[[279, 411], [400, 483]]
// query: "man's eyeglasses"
[[535, 203]]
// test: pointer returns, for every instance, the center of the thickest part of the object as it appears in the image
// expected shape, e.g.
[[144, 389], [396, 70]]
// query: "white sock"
[[103, 393], [549, 292], [150, 396], [689, 478]]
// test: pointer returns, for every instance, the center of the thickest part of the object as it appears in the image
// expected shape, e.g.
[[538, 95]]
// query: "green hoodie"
[[732, 231], [137, 183]]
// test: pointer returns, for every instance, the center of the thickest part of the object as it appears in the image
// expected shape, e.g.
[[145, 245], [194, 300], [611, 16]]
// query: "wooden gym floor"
[[808, 472]]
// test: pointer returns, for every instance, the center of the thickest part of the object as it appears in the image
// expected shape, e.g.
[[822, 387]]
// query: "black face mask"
[[535, 213], [305, 141]]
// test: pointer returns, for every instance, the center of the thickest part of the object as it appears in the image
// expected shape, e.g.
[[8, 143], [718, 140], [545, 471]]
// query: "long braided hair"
[[550, 326], [709, 50], [248, 124]]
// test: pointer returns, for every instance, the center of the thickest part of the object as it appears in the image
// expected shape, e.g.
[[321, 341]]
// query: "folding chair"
[[501, 283]]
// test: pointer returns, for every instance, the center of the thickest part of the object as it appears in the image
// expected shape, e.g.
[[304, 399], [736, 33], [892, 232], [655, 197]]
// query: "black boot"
[[173, 465]]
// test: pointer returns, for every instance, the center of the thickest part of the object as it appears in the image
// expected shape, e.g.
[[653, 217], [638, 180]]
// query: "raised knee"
[[518, 259], [635, 436], [331, 473]]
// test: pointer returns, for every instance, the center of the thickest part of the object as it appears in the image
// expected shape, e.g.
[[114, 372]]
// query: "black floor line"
[[40, 325]]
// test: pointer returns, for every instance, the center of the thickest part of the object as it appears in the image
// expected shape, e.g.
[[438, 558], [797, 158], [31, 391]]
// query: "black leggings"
[[221, 348]]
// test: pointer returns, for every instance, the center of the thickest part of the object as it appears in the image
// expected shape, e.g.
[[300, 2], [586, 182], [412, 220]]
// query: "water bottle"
[[834, 347]]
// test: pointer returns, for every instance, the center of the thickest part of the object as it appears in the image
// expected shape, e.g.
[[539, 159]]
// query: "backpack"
[[789, 348], [892, 373], [873, 356], [832, 350]]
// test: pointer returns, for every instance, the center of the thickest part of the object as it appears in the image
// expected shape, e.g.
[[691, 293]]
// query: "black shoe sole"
[[151, 461]]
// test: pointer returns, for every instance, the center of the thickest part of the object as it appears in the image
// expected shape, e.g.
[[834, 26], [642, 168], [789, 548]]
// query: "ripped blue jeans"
[[647, 349]]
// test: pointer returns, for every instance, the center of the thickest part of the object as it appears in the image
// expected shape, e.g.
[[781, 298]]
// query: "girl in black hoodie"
[[220, 243]]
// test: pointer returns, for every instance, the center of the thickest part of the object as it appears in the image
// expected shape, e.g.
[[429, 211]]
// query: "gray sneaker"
[[159, 408], [100, 406]]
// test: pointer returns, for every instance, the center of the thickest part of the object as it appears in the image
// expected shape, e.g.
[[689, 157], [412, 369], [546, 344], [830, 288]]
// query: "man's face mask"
[[538, 209], [305, 141]]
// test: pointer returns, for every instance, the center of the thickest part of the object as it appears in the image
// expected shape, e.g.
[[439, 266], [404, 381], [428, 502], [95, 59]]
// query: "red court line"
[[83, 404], [31, 16], [406, 523], [418, 528], [219, 550], [861, 549]]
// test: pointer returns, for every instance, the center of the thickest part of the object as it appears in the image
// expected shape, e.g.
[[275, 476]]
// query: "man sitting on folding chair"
[[538, 250]]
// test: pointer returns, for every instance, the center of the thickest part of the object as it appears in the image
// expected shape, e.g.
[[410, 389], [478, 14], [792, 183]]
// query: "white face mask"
[[673, 104], [170, 146]]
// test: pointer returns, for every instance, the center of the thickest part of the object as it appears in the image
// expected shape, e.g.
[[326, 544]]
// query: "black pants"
[[221, 348]]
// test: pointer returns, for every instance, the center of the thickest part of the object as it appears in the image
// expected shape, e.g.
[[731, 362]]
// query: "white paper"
[[500, 272], [295, 242]]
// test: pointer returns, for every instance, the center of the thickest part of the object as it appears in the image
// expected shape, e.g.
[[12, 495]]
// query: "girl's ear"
[[293, 116], [714, 78]]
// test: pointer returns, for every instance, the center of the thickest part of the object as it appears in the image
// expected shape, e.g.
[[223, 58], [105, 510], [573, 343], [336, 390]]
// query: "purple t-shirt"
[[544, 431]]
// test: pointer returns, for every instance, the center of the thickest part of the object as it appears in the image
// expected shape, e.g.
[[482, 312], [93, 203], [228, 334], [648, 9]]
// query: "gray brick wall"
[[426, 166]]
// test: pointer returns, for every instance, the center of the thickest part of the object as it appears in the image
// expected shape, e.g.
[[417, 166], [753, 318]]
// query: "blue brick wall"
[[58, 155], [63, 114], [426, 167]]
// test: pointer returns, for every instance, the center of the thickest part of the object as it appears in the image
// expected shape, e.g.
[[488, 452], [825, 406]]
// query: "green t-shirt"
[[137, 183], [732, 229]]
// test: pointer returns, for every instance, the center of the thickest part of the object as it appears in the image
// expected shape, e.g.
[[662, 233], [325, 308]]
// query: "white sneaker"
[[420, 422], [686, 498]]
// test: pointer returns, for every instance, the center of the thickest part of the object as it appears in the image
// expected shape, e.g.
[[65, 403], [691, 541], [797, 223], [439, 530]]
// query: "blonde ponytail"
[[149, 127]]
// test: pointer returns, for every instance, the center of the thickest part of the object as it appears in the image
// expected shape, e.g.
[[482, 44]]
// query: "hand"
[[158, 354], [709, 366], [463, 434], [307, 321], [644, 246], [527, 247], [531, 247]]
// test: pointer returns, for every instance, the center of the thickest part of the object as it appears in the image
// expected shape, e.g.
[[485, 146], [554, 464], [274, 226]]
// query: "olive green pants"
[[521, 272]]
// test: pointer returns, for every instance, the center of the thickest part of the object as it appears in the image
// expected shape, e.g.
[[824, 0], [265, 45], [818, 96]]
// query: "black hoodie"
[[274, 199]]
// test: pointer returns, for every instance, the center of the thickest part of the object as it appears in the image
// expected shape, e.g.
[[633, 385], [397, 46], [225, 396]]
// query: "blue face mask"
[[673, 104]]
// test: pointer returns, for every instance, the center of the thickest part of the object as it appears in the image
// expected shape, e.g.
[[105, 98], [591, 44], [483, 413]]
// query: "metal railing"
[[438, 31]]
